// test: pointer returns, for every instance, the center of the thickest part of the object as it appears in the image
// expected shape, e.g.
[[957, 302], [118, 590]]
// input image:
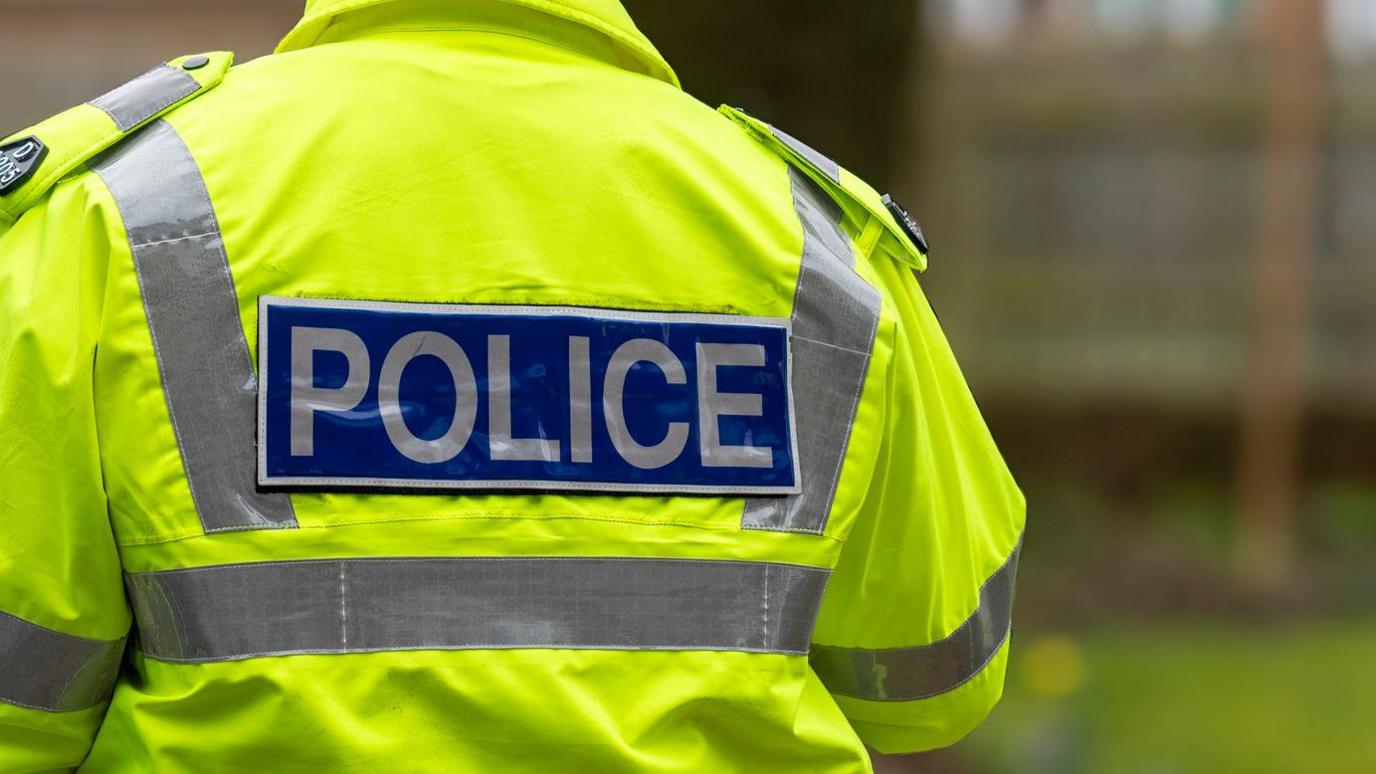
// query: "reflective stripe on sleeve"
[[243, 611], [147, 95], [909, 674], [193, 317], [47, 670], [835, 317]]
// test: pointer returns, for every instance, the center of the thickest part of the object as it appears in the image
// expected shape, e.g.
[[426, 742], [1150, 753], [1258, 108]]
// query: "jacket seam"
[[403, 29], [730, 527], [484, 558]]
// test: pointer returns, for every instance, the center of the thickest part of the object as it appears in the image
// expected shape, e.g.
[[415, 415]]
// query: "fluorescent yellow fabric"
[[603, 17], [76, 135], [861, 206], [58, 562], [521, 152], [941, 514]]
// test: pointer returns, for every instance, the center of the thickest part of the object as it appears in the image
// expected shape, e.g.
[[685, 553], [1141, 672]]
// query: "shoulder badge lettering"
[[18, 160]]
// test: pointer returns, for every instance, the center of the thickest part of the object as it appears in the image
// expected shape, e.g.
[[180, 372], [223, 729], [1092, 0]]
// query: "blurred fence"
[[1096, 212], [1098, 222]]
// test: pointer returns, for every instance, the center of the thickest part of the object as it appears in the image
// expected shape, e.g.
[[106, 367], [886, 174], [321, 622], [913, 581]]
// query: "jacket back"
[[450, 389]]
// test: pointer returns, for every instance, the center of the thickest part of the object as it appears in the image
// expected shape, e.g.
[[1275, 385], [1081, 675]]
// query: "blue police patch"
[[440, 396]]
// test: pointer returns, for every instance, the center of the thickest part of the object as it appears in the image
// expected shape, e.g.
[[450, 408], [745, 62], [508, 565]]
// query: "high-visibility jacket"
[[450, 391]]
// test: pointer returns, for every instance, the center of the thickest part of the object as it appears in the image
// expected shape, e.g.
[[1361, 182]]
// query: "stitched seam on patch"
[[505, 558], [733, 526]]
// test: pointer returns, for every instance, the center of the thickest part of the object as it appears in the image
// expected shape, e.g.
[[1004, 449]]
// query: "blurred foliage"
[[1176, 700], [1095, 556], [1341, 519]]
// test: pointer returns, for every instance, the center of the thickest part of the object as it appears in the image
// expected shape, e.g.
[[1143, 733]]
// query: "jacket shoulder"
[[862, 208], [34, 159]]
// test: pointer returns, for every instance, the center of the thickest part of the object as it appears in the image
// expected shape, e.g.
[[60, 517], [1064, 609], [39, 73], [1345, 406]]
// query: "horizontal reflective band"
[[147, 95], [360, 605], [907, 674], [46, 670]]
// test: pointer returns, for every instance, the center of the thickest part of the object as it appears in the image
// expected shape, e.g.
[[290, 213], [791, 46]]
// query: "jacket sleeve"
[[63, 617], [912, 639]]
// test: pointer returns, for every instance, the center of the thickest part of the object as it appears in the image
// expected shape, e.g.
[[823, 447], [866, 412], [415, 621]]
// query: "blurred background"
[[1153, 226]]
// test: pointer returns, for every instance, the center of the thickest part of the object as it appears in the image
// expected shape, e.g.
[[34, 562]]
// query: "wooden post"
[[1274, 395]]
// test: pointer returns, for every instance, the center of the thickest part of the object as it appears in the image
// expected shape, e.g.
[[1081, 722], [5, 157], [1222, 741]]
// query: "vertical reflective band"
[[46, 670], [835, 316], [828, 167], [146, 96], [908, 674], [193, 316], [454, 603]]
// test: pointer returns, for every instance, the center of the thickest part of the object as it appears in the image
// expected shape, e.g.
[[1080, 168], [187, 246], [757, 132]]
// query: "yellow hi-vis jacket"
[[450, 392]]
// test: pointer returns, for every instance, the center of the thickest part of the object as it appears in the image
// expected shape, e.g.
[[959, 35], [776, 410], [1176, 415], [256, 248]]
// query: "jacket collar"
[[605, 17]]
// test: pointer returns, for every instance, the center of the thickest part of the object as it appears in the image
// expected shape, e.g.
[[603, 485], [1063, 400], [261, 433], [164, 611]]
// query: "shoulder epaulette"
[[864, 209], [33, 160]]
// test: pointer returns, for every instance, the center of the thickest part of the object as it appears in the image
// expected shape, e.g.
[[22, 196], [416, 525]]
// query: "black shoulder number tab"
[[18, 160], [907, 222], [892, 231]]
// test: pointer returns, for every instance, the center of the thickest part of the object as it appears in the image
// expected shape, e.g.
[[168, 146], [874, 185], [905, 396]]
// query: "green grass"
[[1186, 699]]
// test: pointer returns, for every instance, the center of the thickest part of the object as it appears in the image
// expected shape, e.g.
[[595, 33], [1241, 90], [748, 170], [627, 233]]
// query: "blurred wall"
[[59, 53], [1101, 209]]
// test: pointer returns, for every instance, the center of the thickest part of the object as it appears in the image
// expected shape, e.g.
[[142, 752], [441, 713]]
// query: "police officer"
[[450, 391]]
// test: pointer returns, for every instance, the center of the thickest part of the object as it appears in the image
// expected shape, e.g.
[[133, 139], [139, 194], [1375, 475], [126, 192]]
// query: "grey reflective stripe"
[[835, 316], [451, 603], [908, 674], [828, 167], [47, 670], [146, 96], [193, 316]]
